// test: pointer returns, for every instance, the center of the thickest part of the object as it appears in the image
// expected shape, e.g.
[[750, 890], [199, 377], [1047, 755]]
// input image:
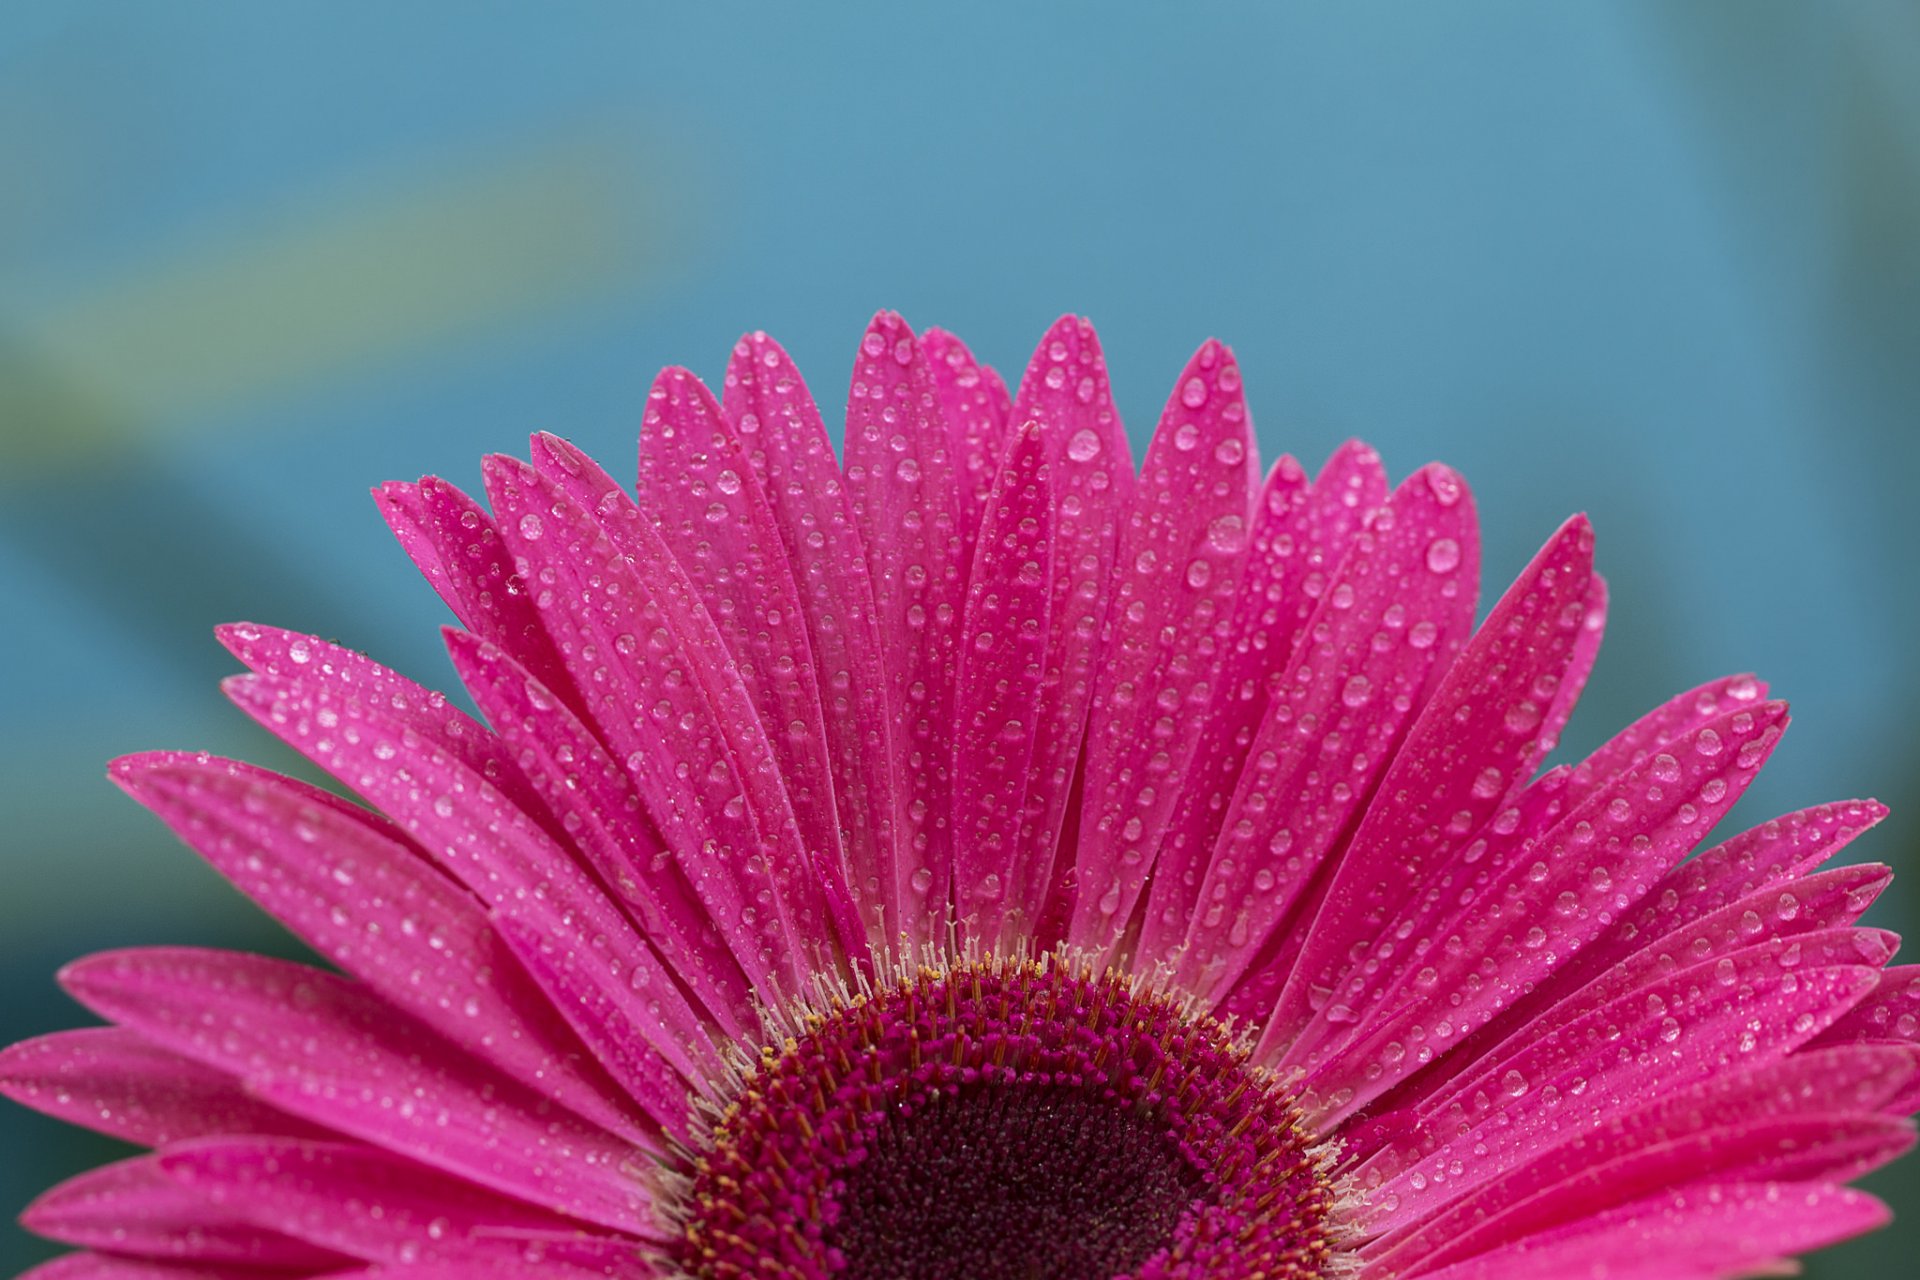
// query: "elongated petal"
[[1182, 552], [413, 709], [1090, 470], [101, 1266], [328, 1050], [906, 499], [720, 716], [474, 833], [359, 894], [1472, 741], [663, 697], [976, 406], [1519, 914], [793, 463], [458, 547], [363, 1202], [1335, 721], [722, 531], [609, 826], [132, 1207], [1677, 1030], [1697, 1232], [114, 1082], [997, 696]]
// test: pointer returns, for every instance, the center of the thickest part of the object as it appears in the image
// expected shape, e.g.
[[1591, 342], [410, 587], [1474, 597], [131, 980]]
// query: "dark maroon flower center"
[[1007, 1120]]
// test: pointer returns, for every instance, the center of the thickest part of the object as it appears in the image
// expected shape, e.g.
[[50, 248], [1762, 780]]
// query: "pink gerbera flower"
[[974, 859]]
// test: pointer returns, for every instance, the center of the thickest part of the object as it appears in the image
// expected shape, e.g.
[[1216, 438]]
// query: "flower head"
[[972, 857]]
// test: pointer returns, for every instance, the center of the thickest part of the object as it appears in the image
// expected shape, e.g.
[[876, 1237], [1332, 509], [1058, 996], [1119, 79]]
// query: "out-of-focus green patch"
[[348, 282]]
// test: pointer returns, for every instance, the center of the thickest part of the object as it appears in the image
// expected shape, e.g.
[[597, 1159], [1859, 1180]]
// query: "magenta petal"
[[1337, 714], [1351, 484], [1267, 618], [660, 690], [474, 832], [997, 697], [1586, 648], [698, 487], [100, 1266], [1770, 856], [906, 497], [1673, 719], [616, 1007], [351, 886], [974, 402], [1697, 1232], [474, 571], [1182, 552], [793, 462], [114, 1082], [1890, 1013], [327, 1049], [132, 1207], [1090, 470], [355, 678], [363, 1202], [1822, 902], [1591, 1176], [1555, 893], [572, 770], [1747, 1008], [1471, 743], [1827, 1090]]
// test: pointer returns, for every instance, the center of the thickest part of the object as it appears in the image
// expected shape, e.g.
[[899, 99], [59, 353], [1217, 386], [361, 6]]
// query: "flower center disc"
[[996, 1119]]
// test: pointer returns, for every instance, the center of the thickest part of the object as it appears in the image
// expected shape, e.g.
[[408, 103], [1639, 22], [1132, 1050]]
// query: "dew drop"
[[1085, 445]]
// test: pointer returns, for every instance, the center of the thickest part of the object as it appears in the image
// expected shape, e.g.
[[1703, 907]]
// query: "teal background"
[[1657, 262]]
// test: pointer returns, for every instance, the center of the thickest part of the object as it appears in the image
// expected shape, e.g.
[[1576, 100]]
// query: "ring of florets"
[[997, 1117]]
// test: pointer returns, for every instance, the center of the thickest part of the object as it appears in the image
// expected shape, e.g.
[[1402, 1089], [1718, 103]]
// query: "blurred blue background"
[[1657, 262]]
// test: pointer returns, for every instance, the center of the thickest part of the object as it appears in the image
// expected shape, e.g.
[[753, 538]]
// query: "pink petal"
[[1744, 1009], [1697, 1232], [355, 678], [1586, 648], [363, 1202], [664, 697], [793, 463], [478, 836], [474, 572], [114, 1082], [1470, 744], [326, 1049], [350, 886], [974, 402], [697, 485], [1576, 1182], [906, 496], [1090, 470], [1770, 856], [1336, 717], [997, 696], [1489, 929], [1890, 1013], [1821, 902], [1814, 1099], [1266, 621], [1348, 488], [132, 1207], [1673, 719], [97, 1266], [608, 826], [1182, 553]]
